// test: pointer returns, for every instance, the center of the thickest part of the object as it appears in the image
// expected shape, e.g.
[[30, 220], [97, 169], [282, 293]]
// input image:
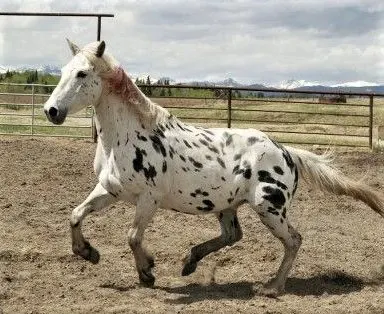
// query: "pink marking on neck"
[[121, 84]]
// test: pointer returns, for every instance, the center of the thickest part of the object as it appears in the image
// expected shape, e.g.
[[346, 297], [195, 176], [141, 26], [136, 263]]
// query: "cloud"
[[252, 41]]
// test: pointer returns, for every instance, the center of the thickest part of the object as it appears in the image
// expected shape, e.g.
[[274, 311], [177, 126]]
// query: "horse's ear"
[[74, 48], [100, 49]]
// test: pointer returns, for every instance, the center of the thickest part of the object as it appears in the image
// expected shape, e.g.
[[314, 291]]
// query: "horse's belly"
[[211, 197]]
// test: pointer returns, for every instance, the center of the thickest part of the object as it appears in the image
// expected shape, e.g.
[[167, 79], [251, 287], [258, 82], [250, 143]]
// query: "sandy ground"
[[340, 267]]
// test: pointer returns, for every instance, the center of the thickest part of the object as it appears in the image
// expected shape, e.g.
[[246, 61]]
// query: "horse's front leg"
[[98, 199], [145, 208]]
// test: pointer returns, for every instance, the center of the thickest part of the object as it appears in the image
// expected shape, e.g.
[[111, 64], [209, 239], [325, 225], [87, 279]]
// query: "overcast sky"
[[252, 41]]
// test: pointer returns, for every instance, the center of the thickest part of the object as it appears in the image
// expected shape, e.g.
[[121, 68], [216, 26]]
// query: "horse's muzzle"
[[55, 116]]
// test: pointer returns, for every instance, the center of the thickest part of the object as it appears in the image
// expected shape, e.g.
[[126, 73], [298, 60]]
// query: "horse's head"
[[80, 84]]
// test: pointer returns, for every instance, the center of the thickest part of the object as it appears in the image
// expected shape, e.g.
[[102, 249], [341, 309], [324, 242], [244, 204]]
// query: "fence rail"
[[299, 117]]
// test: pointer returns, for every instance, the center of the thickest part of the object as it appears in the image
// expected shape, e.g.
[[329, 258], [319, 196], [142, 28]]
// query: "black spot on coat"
[[150, 172], [221, 162], [187, 144], [237, 157], [274, 196], [208, 206], [252, 140], [195, 163], [158, 145], [278, 170], [206, 137]]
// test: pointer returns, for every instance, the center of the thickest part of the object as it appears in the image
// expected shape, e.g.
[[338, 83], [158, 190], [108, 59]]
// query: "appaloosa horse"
[[148, 157]]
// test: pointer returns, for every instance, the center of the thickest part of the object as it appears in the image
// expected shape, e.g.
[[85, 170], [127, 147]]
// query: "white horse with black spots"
[[148, 157]]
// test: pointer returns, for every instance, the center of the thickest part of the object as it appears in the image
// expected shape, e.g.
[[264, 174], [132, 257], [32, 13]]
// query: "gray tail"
[[318, 171]]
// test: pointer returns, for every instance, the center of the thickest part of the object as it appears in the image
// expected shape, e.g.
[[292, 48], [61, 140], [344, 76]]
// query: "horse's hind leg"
[[276, 221], [98, 199], [145, 208], [230, 233]]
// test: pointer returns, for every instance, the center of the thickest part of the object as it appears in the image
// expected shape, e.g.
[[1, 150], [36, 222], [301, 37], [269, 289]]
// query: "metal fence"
[[21, 113], [305, 117]]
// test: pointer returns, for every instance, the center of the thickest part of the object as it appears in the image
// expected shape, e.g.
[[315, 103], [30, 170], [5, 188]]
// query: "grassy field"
[[302, 120]]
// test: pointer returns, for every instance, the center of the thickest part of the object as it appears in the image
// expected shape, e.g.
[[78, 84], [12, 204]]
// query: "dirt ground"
[[340, 267]]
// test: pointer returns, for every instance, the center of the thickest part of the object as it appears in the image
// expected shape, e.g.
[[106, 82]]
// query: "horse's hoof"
[[93, 256], [188, 269], [89, 253], [270, 292], [146, 279]]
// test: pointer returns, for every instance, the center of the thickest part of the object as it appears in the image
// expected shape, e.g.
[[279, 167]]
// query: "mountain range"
[[302, 85], [299, 85]]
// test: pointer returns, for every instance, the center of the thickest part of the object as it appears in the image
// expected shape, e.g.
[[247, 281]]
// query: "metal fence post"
[[94, 131], [93, 126], [370, 121], [33, 109], [229, 121]]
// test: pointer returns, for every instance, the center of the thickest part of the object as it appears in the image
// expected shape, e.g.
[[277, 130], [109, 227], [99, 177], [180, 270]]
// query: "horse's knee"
[[133, 239], [74, 223]]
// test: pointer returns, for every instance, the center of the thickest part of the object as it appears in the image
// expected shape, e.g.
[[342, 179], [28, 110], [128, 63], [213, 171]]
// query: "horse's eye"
[[81, 74]]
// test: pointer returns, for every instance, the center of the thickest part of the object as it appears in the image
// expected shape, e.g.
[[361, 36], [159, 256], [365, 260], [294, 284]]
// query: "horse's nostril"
[[53, 112]]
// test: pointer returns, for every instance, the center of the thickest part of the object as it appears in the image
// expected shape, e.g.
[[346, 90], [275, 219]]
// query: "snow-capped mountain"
[[230, 82], [292, 84], [47, 69], [356, 84]]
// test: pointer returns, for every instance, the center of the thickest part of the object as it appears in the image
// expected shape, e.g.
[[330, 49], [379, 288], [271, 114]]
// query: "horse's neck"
[[115, 121], [118, 116]]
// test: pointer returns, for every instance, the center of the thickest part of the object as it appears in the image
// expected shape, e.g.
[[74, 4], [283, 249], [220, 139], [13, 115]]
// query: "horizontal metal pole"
[[194, 108], [202, 118], [11, 124], [27, 84], [302, 112], [324, 144], [185, 97], [298, 123], [314, 133], [18, 105], [57, 14], [39, 115], [46, 135], [14, 94], [16, 114], [52, 126], [48, 126], [266, 100]]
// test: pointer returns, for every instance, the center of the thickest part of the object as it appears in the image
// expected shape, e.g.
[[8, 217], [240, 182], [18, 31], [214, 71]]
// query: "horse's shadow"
[[333, 283]]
